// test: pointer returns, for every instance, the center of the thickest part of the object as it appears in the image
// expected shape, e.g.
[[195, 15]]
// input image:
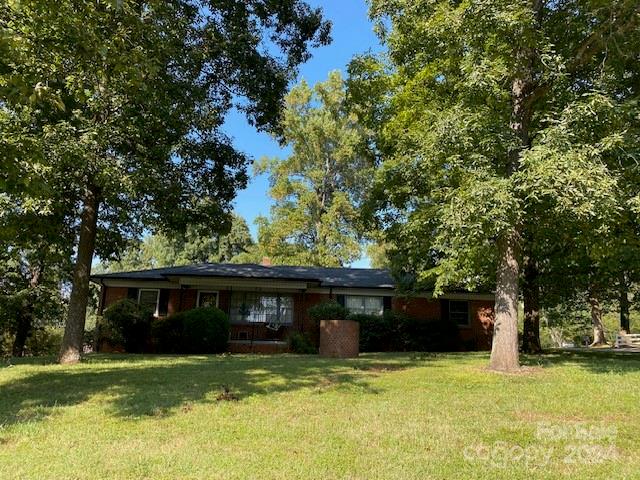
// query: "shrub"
[[429, 335], [206, 330], [301, 343], [379, 333], [125, 323], [201, 330], [397, 332], [167, 333], [44, 341], [330, 310]]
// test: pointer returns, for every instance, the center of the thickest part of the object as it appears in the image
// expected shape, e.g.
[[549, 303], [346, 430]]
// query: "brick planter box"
[[339, 338]]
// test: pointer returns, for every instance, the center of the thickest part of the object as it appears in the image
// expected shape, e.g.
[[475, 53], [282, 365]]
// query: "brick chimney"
[[266, 262]]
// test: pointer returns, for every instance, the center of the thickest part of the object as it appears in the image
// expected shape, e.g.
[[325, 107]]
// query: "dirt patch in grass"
[[227, 395]]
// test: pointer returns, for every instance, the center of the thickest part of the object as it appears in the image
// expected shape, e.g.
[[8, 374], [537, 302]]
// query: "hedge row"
[[393, 331], [131, 326]]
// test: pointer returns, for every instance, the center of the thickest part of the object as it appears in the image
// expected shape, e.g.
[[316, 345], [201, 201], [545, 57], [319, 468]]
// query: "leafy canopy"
[[442, 105], [317, 189], [128, 98], [193, 246]]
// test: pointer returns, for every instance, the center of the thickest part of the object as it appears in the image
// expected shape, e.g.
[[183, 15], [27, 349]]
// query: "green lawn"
[[380, 416]]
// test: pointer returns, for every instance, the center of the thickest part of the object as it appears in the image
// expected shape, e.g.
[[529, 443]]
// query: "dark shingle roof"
[[326, 277]]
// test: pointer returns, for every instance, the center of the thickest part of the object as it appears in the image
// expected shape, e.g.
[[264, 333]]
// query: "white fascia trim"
[[147, 284], [367, 292]]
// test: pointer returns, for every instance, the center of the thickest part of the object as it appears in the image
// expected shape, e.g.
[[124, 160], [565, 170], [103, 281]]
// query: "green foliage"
[[206, 330], [566, 322], [44, 341], [131, 100], [318, 188], [429, 335], [116, 108], [397, 332], [330, 310], [125, 323], [379, 333], [301, 343], [160, 250], [167, 333], [457, 170], [30, 291], [200, 330]]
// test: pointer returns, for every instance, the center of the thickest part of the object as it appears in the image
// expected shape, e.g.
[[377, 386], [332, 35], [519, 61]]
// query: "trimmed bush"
[[127, 324], [301, 343], [330, 310], [379, 333], [201, 330], [206, 330], [397, 332], [429, 335], [167, 333]]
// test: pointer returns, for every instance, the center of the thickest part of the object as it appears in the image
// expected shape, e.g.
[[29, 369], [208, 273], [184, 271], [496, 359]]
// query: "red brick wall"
[[304, 323], [113, 294], [418, 307], [477, 335], [482, 322], [174, 301], [339, 338]]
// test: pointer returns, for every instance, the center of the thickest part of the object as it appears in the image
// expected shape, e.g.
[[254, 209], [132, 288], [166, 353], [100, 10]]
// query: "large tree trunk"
[[71, 348], [625, 316], [531, 296], [504, 348], [25, 322], [596, 318]]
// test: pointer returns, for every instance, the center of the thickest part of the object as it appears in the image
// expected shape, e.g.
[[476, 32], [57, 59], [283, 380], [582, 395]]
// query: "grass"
[[380, 416]]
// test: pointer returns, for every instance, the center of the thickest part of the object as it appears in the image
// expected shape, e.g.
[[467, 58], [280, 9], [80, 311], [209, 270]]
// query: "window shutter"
[[132, 294], [163, 304], [386, 302], [444, 309], [340, 299]]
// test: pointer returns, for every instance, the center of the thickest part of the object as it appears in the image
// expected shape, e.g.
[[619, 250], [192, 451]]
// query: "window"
[[207, 298], [459, 312], [249, 307], [149, 298], [366, 305]]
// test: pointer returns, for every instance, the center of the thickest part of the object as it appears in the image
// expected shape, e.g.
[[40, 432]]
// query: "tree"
[[30, 294], [471, 109], [36, 238], [124, 101], [318, 188], [159, 250]]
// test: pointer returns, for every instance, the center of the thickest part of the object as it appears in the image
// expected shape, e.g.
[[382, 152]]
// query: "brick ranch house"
[[265, 303]]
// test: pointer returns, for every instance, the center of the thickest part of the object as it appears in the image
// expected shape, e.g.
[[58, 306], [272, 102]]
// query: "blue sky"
[[352, 33]]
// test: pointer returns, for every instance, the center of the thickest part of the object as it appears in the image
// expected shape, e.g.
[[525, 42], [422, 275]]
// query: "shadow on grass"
[[137, 386], [594, 361]]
